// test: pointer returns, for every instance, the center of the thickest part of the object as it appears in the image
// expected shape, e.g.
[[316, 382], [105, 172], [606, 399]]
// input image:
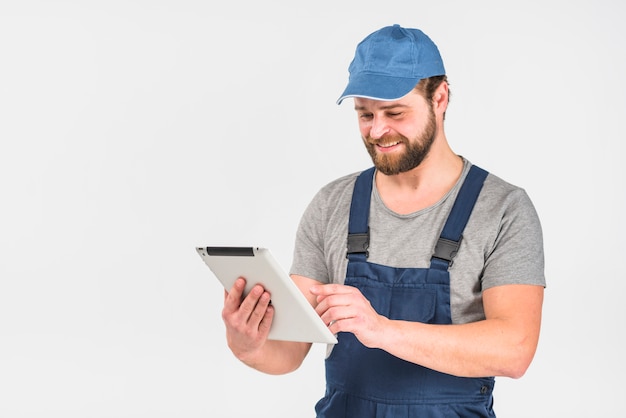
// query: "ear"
[[440, 98]]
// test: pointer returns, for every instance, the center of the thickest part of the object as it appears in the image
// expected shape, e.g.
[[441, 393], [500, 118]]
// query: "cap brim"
[[378, 87]]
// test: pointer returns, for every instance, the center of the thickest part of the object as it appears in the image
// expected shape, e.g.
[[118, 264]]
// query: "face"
[[398, 135]]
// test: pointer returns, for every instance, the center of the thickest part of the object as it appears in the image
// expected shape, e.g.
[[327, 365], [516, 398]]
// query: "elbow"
[[277, 358], [514, 368], [517, 371], [276, 369], [518, 362], [286, 366]]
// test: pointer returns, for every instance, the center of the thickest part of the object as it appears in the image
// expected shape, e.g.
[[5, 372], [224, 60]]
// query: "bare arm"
[[501, 345], [248, 323]]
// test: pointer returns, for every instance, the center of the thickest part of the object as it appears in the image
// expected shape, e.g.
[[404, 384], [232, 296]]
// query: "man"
[[428, 269]]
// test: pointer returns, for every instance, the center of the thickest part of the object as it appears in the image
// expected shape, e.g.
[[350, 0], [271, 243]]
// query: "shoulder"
[[331, 204], [499, 195], [506, 228], [340, 184], [505, 198], [504, 215], [335, 191]]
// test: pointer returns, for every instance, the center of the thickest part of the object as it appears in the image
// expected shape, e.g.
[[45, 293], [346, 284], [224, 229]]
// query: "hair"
[[427, 87]]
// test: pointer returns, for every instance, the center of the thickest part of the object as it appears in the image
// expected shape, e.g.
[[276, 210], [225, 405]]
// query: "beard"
[[416, 150]]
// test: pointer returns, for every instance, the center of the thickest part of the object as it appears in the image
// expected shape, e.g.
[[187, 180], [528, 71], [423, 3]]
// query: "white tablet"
[[294, 317]]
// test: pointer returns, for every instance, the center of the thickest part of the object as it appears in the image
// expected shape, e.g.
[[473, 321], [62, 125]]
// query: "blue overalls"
[[362, 382]]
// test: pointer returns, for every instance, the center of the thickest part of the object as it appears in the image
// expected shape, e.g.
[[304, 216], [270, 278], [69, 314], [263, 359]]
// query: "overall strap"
[[451, 235], [358, 229]]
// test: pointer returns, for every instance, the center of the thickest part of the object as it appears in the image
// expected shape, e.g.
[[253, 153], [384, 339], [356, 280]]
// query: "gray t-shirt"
[[502, 242]]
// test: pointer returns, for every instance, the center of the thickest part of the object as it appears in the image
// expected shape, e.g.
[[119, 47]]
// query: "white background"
[[133, 131]]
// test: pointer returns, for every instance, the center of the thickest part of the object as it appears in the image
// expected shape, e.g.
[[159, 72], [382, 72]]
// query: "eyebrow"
[[387, 107]]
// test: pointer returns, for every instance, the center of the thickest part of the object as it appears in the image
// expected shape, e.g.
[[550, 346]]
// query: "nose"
[[379, 128]]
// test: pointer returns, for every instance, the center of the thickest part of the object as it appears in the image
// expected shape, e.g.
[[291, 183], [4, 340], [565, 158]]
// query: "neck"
[[422, 186]]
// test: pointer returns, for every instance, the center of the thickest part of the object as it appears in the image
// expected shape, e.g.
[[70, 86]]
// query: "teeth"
[[388, 145]]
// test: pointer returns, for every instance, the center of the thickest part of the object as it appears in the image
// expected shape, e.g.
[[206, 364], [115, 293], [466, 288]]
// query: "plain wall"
[[133, 131]]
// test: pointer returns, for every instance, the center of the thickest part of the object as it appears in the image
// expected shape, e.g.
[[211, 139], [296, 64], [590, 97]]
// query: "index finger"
[[330, 289], [232, 297]]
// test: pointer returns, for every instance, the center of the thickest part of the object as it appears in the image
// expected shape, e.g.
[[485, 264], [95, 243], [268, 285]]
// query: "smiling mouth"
[[389, 145]]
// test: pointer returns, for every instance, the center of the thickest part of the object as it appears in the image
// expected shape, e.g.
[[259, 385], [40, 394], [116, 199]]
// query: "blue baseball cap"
[[390, 62]]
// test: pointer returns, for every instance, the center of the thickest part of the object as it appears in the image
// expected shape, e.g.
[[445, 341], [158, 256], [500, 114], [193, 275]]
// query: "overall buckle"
[[358, 243]]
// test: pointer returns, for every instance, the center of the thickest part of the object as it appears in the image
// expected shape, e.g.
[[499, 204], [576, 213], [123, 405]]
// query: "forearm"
[[501, 345], [491, 347]]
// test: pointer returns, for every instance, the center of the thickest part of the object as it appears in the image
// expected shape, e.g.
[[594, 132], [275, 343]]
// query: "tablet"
[[294, 317]]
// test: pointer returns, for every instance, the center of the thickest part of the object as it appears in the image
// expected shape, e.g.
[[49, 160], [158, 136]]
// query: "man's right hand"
[[247, 320]]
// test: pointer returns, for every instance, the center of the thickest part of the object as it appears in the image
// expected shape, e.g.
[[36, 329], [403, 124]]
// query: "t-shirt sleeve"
[[308, 253], [517, 254]]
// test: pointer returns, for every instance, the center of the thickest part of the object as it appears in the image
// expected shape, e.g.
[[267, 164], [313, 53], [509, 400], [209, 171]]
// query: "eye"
[[365, 116]]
